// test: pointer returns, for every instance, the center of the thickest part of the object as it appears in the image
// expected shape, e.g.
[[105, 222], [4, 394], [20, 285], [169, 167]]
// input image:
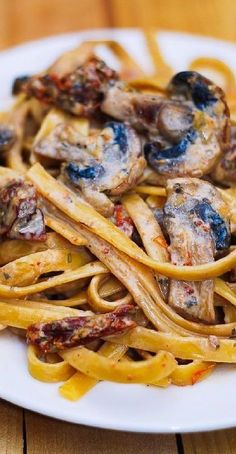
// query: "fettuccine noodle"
[[88, 259]]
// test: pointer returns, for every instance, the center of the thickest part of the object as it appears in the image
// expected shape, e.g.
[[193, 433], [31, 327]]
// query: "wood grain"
[[11, 429], [209, 17], [26, 19], [217, 442], [46, 435]]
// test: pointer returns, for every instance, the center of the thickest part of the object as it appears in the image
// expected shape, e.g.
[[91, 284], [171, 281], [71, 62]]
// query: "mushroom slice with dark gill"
[[141, 110], [197, 222], [202, 141], [59, 136], [20, 217], [74, 331], [79, 92], [225, 170], [109, 163]]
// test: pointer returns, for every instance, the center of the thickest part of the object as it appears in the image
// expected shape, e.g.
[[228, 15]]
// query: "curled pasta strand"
[[47, 372], [110, 288], [99, 304], [215, 69]]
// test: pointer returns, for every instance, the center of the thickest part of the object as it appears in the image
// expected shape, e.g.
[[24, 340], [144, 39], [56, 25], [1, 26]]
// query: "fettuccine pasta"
[[117, 220]]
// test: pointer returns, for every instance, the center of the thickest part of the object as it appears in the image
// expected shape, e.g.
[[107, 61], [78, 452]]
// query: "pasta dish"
[[118, 221]]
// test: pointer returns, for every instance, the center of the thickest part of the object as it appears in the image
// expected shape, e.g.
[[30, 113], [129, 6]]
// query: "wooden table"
[[23, 432]]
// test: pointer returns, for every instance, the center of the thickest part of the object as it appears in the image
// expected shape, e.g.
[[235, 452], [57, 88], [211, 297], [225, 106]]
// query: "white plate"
[[207, 405]]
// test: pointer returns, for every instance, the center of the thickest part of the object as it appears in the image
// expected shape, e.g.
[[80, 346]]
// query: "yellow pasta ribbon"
[[189, 374], [11, 250], [71, 234], [129, 67], [211, 349], [88, 270], [101, 368], [26, 270], [67, 202], [215, 70], [222, 289], [151, 190], [109, 288], [162, 69], [79, 384], [47, 372], [147, 226], [21, 314], [97, 303]]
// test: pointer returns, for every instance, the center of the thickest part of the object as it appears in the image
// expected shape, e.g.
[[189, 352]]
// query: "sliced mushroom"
[[197, 221], [20, 217], [188, 127], [107, 163], [59, 135], [202, 143], [141, 110], [174, 121], [153, 114], [225, 171]]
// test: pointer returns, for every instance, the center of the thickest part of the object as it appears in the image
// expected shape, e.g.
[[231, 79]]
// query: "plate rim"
[[107, 425]]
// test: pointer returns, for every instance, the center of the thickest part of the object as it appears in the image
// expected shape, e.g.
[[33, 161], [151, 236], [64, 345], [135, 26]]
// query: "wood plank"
[[209, 17], [4, 23], [212, 17], [27, 19], [11, 429], [217, 442], [45, 435]]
